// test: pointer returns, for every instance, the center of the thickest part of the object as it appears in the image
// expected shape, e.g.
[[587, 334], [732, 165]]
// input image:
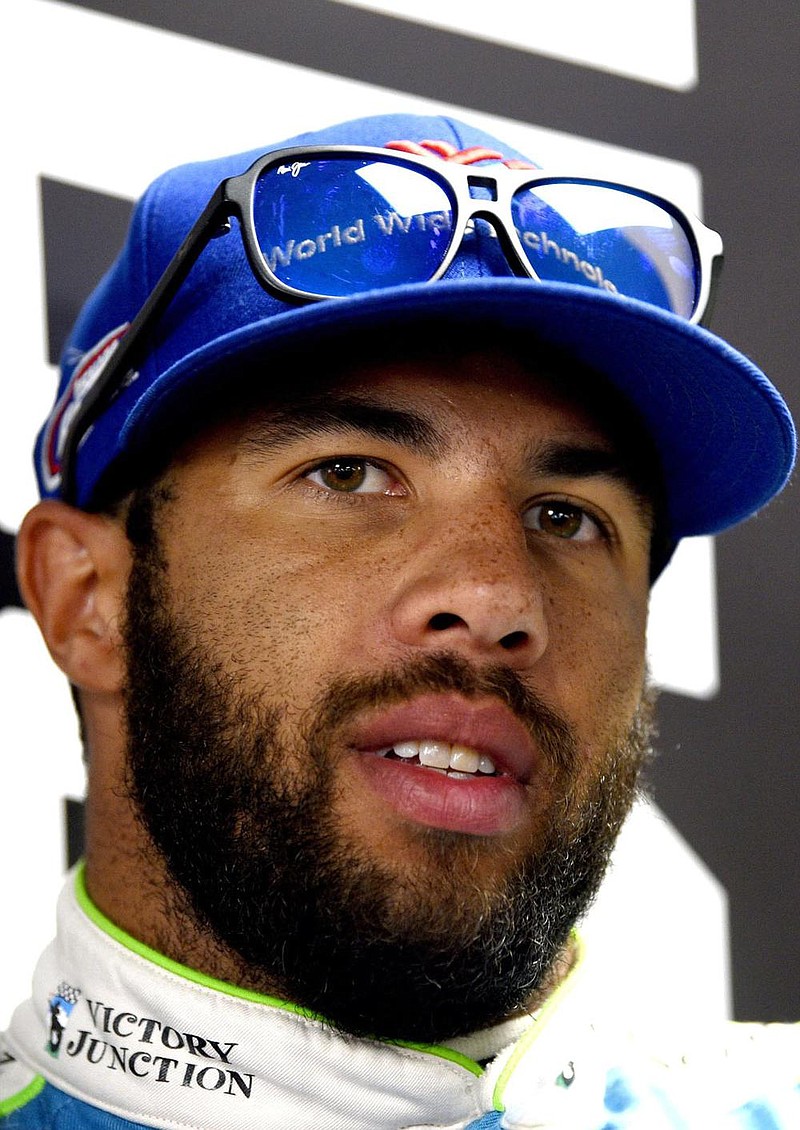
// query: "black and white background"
[[700, 101]]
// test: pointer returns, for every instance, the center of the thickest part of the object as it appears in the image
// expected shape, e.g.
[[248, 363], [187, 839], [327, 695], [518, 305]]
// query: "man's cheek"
[[281, 630]]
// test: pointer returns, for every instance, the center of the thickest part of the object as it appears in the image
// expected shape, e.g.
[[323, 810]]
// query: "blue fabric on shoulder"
[[51, 1109]]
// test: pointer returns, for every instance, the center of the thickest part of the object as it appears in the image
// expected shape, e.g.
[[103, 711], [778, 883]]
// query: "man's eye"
[[563, 520], [352, 475]]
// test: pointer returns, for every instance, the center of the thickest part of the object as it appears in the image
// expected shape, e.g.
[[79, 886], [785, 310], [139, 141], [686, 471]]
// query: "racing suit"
[[117, 1037]]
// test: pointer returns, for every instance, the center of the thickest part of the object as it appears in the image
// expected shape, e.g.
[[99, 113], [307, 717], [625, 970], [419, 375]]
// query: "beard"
[[243, 815]]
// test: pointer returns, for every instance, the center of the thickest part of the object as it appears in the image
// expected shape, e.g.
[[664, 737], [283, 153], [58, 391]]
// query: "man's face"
[[386, 665]]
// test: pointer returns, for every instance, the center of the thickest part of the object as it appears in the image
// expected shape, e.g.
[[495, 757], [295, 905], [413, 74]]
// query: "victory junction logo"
[[146, 1048], [60, 1005]]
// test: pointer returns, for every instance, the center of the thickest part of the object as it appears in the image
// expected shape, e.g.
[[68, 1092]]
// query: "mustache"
[[345, 698]]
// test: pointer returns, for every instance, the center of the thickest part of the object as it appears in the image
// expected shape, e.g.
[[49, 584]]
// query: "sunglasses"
[[337, 221]]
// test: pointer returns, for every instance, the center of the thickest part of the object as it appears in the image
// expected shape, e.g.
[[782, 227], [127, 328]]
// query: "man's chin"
[[414, 989]]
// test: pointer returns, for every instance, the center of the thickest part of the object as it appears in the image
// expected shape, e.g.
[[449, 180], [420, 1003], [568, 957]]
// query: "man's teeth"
[[458, 760]]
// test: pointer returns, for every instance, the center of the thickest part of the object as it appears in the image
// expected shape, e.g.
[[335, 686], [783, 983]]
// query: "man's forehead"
[[421, 398]]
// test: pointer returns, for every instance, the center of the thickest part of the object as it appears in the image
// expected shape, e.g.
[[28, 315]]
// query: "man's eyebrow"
[[578, 460], [319, 414], [586, 461]]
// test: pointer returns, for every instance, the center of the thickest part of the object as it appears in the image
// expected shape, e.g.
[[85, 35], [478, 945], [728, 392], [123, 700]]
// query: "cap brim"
[[724, 436]]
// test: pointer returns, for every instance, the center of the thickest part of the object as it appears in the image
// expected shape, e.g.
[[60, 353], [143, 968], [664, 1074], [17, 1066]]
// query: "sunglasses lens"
[[604, 237], [341, 225]]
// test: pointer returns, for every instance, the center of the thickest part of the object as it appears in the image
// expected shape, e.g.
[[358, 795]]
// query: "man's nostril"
[[443, 620], [514, 640]]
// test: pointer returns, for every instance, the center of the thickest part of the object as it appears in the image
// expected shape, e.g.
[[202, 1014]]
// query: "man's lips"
[[485, 726]]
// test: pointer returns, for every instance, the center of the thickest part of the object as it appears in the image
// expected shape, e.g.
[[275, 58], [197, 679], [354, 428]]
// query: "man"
[[351, 509]]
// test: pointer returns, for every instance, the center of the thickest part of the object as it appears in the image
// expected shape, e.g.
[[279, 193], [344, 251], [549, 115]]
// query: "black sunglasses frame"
[[479, 193]]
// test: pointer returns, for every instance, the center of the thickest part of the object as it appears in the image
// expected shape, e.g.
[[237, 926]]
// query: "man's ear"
[[72, 569]]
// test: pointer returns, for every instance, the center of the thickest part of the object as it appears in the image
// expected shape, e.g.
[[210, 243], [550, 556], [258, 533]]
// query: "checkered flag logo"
[[68, 993]]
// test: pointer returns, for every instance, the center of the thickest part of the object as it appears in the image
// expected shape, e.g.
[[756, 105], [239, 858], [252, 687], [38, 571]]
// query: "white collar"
[[123, 1028]]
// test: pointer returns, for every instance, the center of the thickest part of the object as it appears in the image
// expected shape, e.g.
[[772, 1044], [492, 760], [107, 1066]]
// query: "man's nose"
[[475, 589]]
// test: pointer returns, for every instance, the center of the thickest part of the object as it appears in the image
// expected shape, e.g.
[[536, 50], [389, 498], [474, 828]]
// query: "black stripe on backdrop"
[[83, 230], [726, 777], [9, 593]]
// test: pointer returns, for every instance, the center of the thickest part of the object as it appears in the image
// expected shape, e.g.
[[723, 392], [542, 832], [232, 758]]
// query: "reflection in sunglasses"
[[540, 245]]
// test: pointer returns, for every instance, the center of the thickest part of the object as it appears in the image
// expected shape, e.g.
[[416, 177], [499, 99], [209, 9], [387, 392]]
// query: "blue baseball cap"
[[722, 433]]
